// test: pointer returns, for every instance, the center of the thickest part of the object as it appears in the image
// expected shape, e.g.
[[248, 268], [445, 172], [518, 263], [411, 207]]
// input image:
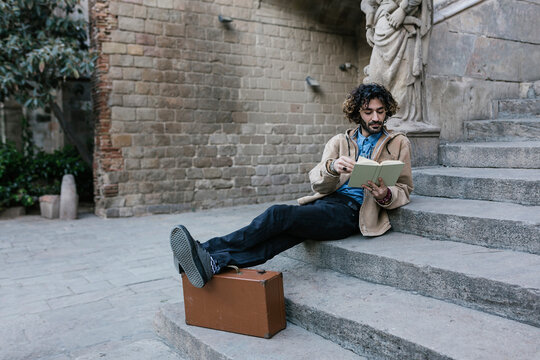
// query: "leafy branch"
[[42, 44]]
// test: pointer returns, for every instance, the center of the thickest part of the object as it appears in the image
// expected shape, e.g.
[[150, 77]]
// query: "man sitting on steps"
[[335, 211]]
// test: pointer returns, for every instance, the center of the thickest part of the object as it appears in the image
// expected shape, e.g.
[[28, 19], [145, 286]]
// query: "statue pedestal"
[[424, 142]]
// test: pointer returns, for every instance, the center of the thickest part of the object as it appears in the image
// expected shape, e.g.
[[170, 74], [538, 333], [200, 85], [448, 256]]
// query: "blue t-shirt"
[[365, 149]]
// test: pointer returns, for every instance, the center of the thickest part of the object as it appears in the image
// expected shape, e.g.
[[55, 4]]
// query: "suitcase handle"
[[235, 268]]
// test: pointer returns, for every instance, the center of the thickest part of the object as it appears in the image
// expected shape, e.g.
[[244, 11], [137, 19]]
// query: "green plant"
[[26, 176], [13, 177], [42, 44]]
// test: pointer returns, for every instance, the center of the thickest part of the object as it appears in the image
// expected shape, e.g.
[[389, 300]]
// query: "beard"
[[366, 126]]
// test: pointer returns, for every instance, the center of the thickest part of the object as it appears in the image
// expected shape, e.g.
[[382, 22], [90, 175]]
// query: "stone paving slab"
[[73, 289]]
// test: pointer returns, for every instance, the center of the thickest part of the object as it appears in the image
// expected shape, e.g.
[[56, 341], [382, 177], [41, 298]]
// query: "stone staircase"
[[458, 277]]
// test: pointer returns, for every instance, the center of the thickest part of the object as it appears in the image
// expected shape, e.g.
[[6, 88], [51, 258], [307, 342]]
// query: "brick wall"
[[192, 113]]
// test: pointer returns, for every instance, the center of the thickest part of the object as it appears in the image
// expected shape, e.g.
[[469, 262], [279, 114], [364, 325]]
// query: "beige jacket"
[[373, 219]]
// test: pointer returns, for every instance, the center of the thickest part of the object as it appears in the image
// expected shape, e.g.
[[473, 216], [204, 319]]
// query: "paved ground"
[[89, 288]]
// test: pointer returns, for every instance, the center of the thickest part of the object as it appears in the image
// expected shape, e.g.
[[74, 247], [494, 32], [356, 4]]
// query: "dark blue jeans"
[[281, 227]]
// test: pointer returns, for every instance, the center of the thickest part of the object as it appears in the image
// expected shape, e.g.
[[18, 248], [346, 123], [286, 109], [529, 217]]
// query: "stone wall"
[[485, 52], [11, 123], [46, 131], [194, 113]]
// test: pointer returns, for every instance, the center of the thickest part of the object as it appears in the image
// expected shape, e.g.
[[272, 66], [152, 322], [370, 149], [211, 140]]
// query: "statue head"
[[360, 97]]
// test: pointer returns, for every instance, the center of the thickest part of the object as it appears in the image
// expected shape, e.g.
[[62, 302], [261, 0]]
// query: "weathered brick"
[[165, 4], [124, 9], [131, 24], [297, 108], [194, 173], [132, 164], [123, 87], [143, 61], [165, 115], [143, 114], [133, 49], [135, 100], [174, 30], [132, 74], [122, 113], [149, 163], [121, 140], [152, 75], [145, 39], [146, 187], [115, 73], [168, 90], [121, 60], [152, 27], [123, 36], [139, 11]]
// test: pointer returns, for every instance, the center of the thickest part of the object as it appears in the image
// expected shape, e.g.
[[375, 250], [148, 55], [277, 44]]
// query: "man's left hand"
[[378, 191]]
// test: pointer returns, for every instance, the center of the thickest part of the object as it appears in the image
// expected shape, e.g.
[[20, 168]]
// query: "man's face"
[[372, 117]]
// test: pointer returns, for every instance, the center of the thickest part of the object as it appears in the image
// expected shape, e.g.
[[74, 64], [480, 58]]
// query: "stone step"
[[503, 129], [500, 282], [485, 223], [507, 108], [293, 342], [512, 154], [140, 349], [521, 186], [383, 322]]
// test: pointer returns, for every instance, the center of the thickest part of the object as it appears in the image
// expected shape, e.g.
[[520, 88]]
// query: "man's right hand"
[[344, 165]]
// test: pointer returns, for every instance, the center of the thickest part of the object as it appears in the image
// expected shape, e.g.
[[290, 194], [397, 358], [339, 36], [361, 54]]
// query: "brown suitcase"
[[247, 302]]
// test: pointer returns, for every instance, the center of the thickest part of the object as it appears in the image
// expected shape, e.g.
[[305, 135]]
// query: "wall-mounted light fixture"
[[346, 66], [312, 82], [225, 19]]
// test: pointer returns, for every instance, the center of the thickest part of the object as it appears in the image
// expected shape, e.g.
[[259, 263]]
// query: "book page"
[[362, 160], [390, 172], [391, 162], [362, 173]]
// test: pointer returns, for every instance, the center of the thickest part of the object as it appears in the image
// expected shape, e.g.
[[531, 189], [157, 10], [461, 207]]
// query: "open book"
[[366, 169]]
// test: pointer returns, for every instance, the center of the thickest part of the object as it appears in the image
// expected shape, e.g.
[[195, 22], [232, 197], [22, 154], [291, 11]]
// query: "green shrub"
[[13, 177], [23, 178]]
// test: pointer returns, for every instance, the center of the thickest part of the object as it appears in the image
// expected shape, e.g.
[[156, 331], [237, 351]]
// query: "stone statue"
[[398, 31]]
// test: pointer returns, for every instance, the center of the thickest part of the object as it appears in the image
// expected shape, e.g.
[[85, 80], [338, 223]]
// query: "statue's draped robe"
[[396, 60]]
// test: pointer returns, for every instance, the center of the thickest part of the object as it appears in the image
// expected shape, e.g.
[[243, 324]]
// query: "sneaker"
[[190, 257], [177, 266]]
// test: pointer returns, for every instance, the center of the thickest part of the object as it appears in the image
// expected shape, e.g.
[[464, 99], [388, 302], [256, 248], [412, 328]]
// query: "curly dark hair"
[[362, 95]]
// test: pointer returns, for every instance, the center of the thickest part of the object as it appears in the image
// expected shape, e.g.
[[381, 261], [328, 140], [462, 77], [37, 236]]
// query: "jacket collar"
[[390, 134], [384, 139]]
